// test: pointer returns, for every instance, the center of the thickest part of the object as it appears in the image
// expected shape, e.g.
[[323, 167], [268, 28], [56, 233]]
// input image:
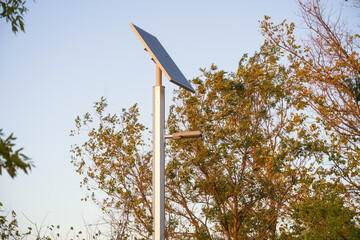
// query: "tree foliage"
[[116, 161], [253, 158], [9, 229], [323, 214], [327, 67], [13, 11], [12, 160]]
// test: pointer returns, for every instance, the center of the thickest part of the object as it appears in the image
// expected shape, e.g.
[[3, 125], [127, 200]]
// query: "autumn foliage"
[[326, 67]]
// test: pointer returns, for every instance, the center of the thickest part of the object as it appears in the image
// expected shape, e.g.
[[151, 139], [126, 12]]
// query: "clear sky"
[[74, 52]]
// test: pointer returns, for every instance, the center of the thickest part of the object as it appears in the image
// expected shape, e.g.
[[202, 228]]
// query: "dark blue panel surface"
[[162, 58]]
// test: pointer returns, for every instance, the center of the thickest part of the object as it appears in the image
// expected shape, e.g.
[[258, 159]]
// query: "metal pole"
[[158, 158]]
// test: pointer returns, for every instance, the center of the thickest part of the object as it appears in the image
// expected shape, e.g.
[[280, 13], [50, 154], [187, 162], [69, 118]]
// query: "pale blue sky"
[[74, 52]]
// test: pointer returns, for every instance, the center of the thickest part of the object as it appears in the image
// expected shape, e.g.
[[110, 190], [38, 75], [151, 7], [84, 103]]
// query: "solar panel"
[[162, 58]]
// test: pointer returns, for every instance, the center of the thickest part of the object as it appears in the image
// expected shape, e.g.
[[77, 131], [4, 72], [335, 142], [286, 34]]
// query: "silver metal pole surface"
[[158, 158]]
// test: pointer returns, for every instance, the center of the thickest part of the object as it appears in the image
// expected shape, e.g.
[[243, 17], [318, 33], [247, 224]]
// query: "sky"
[[75, 52]]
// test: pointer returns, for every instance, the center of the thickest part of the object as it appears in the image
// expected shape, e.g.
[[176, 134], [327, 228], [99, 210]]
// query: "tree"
[[10, 159], [13, 11], [327, 67], [237, 182], [254, 157], [323, 214], [116, 161]]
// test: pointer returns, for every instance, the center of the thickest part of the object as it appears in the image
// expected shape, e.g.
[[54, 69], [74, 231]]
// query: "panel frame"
[[162, 58]]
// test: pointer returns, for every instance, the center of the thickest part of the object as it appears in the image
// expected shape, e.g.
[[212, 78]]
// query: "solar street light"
[[164, 64]]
